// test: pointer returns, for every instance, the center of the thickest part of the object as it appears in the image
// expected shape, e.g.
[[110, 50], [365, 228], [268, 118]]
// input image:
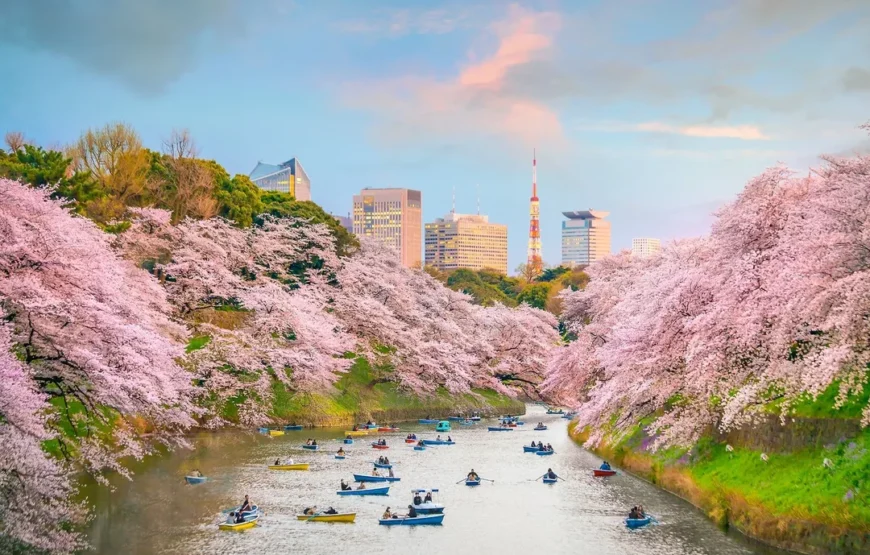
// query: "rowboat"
[[263, 430], [354, 433], [466, 423], [311, 447], [247, 515], [407, 521], [602, 473], [382, 465], [379, 446], [540, 428], [419, 448], [387, 429], [569, 415], [372, 426], [518, 423], [530, 449], [551, 411], [499, 429], [550, 480], [410, 440], [276, 432], [428, 507], [236, 526], [638, 522], [475, 419], [443, 426], [193, 480], [427, 421], [341, 517], [348, 441], [373, 491], [364, 478], [454, 418], [544, 453], [437, 442], [472, 482], [297, 466], [293, 428], [340, 457]]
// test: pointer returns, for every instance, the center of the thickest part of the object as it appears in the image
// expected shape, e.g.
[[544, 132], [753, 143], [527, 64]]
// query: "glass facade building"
[[585, 237], [466, 241], [394, 217], [645, 246], [288, 177]]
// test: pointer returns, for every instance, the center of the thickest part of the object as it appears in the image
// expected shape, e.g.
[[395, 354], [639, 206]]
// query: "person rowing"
[[313, 442], [355, 428], [449, 439], [540, 446], [605, 466], [309, 511], [412, 512], [196, 473], [344, 486], [420, 443], [472, 476], [348, 437], [246, 505], [341, 451], [550, 474]]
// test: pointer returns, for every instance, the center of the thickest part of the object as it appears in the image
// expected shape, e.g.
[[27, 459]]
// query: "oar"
[[538, 478], [488, 480], [312, 516], [462, 480]]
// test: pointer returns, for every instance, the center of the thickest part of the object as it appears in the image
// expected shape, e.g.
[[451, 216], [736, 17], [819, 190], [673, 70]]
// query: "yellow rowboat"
[[276, 432], [346, 517], [297, 466], [240, 526], [357, 432]]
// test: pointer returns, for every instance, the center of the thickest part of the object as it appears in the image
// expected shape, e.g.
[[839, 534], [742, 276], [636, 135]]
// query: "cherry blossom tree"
[[773, 304]]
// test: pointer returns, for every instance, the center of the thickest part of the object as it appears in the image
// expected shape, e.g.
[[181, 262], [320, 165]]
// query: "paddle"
[[312, 516], [488, 480]]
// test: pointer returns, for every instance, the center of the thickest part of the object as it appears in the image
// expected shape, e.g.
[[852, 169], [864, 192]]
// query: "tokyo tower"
[[535, 263]]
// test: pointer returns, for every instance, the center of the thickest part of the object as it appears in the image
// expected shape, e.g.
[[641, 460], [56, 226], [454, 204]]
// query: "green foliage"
[[551, 274], [197, 343], [39, 168], [535, 295], [824, 406], [472, 283], [239, 199], [283, 205]]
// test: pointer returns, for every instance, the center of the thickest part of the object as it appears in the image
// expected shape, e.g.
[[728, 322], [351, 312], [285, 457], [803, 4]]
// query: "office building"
[[345, 222], [288, 177], [585, 237], [393, 217], [645, 246], [466, 241]]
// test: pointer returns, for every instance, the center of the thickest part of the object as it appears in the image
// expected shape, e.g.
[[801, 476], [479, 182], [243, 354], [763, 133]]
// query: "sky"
[[658, 112]]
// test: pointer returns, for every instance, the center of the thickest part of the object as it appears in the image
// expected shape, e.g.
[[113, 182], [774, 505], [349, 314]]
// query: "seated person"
[[362, 485], [417, 500], [633, 513], [375, 471], [550, 474], [309, 511], [605, 465], [412, 513], [246, 505], [330, 511], [420, 443], [387, 514], [428, 497], [313, 442], [344, 486], [239, 518], [473, 476], [348, 437], [196, 473], [391, 473], [386, 460], [448, 438], [340, 451]]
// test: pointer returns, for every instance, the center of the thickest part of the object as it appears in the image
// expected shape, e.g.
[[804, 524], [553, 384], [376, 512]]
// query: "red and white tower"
[[534, 263]]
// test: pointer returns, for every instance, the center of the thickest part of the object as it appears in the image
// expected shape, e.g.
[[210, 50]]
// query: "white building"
[[585, 237], [645, 246]]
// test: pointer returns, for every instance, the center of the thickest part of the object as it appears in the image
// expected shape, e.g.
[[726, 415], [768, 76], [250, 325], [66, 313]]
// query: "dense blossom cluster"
[[773, 304]]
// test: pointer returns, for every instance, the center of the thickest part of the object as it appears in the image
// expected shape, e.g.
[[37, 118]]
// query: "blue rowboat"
[[247, 515], [499, 429], [193, 480], [348, 441], [364, 478], [293, 428], [550, 480], [454, 418], [371, 426], [530, 449], [373, 491], [472, 482], [340, 457], [437, 442], [382, 465], [540, 428], [310, 447], [637, 522], [263, 430], [518, 423], [419, 448], [443, 426], [428, 421], [466, 423], [544, 453], [424, 519]]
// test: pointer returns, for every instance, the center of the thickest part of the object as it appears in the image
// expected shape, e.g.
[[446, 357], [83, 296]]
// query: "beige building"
[[393, 217], [585, 237], [645, 246], [466, 241]]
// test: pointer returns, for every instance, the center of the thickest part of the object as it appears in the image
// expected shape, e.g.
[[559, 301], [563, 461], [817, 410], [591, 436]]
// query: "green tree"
[[239, 200], [535, 295], [283, 205], [39, 168], [551, 274]]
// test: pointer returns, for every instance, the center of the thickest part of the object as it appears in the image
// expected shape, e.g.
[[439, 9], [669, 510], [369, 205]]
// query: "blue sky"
[[657, 112]]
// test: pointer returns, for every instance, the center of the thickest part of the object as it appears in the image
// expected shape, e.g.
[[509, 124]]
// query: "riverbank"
[[364, 393], [791, 500]]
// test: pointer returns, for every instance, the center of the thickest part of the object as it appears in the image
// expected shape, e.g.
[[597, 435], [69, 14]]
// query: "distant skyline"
[[657, 112]]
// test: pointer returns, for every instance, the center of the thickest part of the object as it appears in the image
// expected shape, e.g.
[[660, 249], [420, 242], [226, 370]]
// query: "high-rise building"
[[393, 217], [585, 237], [288, 177], [345, 222], [466, 241], [645, 246], [534, 261]]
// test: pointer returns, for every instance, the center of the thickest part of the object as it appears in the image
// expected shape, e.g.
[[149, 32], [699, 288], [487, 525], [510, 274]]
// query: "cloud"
[[146, 45], [473, 102], [396, 23], [742, 132]]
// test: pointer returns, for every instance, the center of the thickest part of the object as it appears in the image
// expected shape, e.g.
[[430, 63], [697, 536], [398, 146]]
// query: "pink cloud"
[[743, 132], [473, 102]]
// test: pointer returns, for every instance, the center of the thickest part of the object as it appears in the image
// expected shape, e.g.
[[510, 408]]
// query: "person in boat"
[[605, 466], [348, 437], [238, 518], [540, 446], [362, 485], [386, 460], [449, 438], [196, 474], [420, 443], [417, 500], [387, 514], [641, 512], [309, 511], [473, 476], [391, 473], [428, 497], [341, 451], [549, 447], [375, 471], [313, 442], [246, 505], [412, 512], [330, 511], [344, 486], [633, 514], [550, 474]]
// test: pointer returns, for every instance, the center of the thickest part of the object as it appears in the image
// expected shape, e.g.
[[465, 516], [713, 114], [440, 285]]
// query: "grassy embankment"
[[363, 393], [791, 500]]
